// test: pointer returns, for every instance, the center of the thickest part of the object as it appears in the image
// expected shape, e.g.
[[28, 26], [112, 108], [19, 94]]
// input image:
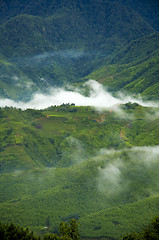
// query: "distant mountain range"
[[51, 43]]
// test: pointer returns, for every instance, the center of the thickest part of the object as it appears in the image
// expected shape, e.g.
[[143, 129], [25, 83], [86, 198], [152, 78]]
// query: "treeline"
[[67, 231], [11, 231]]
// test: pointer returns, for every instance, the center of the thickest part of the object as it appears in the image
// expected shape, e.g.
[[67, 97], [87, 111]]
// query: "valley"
[[79, 116]]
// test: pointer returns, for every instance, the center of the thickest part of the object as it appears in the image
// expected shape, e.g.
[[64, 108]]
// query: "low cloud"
[[99, 98], [74, 54], [148, 154], [110, 178], [126, 169], [75, 152]]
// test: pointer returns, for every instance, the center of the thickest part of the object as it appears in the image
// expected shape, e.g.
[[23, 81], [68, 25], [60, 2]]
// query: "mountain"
[[122, 219], [56, 42], [40, 137], [133, 69], [75, 162], [97, 165], [148, 10]]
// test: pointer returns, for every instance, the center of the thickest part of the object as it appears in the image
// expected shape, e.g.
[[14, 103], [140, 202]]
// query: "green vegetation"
[[67, 162], [66, 231], [14, 83], [51, 135], [13, 232], [70, 231], [64, 43], [133, 69], [118, 221], [150, 232], [76, 162]]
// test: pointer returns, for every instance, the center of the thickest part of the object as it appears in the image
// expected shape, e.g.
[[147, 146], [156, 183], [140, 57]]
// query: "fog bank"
[[99, 97], [127, 168]]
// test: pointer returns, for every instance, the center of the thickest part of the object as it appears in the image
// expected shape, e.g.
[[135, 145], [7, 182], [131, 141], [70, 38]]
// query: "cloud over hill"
[[99, 97]]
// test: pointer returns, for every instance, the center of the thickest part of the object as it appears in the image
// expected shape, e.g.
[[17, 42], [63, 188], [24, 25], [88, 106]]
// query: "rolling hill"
[[69, 161]]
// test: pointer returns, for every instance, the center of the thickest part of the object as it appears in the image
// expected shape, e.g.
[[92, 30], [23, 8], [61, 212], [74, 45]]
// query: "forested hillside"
[[53, 43], [75, 162], [135, 68], [71, 147]]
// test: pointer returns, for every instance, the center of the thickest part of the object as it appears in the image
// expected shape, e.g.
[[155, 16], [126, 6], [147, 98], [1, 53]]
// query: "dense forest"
[[97, 166], [79, 119], [53, 43]]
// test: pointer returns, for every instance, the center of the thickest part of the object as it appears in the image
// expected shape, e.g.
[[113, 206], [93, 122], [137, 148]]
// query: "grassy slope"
[[47, 167], [134, 68]]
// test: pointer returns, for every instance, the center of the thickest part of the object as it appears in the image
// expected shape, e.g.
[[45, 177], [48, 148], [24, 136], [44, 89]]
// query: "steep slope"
[[134, 68], [13, 82], [70, 43], [147, 9], [115, 223], [23, 35], [47, 138], [69, 161], [91, 25]]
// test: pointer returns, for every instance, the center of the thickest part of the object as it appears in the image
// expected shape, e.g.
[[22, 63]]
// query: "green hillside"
[[110, 223], [133, 69], [148, 10], [59, 43], [75, 162], [98, 166], [14, 83], [38, 134]]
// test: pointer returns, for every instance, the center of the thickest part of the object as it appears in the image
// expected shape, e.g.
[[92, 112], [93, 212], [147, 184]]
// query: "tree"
[[151, 232], [51, 236], [13, 232], [67, 231]]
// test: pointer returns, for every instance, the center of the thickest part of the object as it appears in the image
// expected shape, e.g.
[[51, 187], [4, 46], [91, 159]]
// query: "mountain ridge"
[[10, 8], [134, 68], [93, 31]]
